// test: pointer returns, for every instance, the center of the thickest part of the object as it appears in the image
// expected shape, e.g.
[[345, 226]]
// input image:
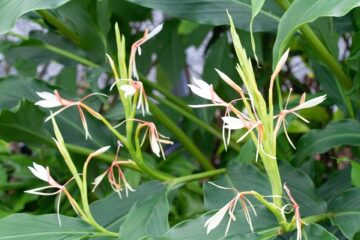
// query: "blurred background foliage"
[[62, 45]]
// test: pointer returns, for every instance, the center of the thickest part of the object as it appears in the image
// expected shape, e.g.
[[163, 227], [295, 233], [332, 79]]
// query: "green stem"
[[317, 218], [50, 18], [198, 176], [324, 54], [68, 54], [194, 119], [181, 136]]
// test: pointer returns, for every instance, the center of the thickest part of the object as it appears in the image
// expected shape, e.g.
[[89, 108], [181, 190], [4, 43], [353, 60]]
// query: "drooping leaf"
[[334, 134], [310, 11], [346, 209], [11, 10], [148, 217], [29, 227], [214, 12]]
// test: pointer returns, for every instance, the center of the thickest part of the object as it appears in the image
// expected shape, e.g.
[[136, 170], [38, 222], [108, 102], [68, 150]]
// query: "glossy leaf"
[[315, 231], [310, 11], [11, 10], [334, 134], [30, 227], [213, 12]]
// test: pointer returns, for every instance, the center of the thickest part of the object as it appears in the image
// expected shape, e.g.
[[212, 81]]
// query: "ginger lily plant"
[[257, 119]]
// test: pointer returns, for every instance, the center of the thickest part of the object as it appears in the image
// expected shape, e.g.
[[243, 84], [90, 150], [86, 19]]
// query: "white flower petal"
[[154, 145], [215, 220], [40, 172], [129, 90], [153, 32], [49, 100], [280, 64], [98, 180], [309, 104], [233, 122]]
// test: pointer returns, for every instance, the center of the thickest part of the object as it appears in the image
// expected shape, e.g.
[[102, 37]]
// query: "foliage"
[[113, 171]]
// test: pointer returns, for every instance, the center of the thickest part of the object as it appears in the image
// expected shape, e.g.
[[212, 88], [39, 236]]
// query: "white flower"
[[206, 91], [155, 138], [43, 174], [117, 181], [229, 208], [136, 47], [302, 105], [50, 100]]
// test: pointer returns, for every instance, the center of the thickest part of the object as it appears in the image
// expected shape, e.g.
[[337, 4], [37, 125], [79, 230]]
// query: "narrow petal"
[[233, 122], [98, 180], [280, 65], [153, 32], [154, 145], [311, 103], [215, 220]]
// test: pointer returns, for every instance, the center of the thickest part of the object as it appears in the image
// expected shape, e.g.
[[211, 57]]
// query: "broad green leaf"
[[336, 184], [24, 123], [315, 231], [242, 177], [170, 54], [213, 12], [194, 228], [112, 217], [355, 174], [11, 10], [303, 190], [334, 134], [83, 19], [45, 227], [310, 11], [346, 209], [148, 217]]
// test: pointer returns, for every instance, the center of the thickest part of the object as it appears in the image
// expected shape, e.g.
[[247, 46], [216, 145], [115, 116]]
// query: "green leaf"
[[29, 227], [11, 10], [194, 229], [310, 11], [315, 231], [303, 190], [346, 209], [335, 185], [334, 134], [148, 217], [16, 125], [355, 173], [256, 6], [213, 12], [242, 177], [83, 19], [112, 217]]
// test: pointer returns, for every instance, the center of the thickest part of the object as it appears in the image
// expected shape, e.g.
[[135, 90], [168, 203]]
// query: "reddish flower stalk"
[[296, 213]]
